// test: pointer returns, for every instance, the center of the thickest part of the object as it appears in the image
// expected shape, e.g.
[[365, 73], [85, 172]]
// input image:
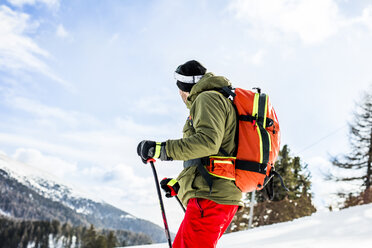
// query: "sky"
[[83, 82]]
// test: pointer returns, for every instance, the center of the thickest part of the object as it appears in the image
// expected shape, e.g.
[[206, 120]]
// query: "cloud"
[[47, 113], [312, 21], [258, 57], [20, 52], [21, 3], [124, 187], [366, 18], [114, 38], [76, 135], [131, 128], [53, 165], [89, 153], [16, 49], [118, 174], [158, 103], [61, 32], [68, 133]]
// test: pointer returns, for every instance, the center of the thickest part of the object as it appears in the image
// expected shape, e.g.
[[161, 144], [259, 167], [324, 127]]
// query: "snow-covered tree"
[[357, 163]]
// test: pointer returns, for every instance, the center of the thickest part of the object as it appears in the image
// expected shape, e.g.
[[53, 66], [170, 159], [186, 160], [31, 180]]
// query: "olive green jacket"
[[212, 125]]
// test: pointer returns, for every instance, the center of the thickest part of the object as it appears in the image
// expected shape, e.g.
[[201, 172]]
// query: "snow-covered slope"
[[41, 181], [350, 227], [29, 193]]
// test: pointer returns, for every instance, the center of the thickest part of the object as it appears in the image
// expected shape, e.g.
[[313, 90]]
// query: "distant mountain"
[[28, 193]]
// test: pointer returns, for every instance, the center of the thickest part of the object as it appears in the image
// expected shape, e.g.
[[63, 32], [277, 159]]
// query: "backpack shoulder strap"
[[228, 90]]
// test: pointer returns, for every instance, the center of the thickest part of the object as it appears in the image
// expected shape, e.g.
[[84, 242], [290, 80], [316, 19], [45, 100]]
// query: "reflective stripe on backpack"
[[258, 142]]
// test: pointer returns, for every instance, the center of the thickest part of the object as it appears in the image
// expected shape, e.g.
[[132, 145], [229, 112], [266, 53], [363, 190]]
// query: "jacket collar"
[[208, 82]]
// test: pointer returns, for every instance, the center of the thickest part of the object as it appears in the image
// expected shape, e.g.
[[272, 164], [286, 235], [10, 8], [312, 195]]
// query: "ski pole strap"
[[280, 178], [269, 184], [172, 182], [157, 150]]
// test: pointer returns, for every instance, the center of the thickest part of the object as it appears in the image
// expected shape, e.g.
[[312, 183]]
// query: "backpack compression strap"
[[261, 123], [258, 118]]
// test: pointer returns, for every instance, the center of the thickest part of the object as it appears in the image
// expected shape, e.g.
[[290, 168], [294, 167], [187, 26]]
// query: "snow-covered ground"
[[351, 227], [42, 182]]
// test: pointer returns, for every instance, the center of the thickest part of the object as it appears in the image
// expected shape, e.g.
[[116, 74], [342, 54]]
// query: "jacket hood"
[[208, 82]]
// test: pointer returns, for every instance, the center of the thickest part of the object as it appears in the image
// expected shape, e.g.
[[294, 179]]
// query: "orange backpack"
[[258, 143], [259, 139]]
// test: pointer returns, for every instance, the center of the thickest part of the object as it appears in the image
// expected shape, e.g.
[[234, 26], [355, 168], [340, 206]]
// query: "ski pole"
[[183, 208], [167, 234]]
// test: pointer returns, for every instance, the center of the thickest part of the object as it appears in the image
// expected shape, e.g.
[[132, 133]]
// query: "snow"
[[350, 227], [127, 216], [4, 213], [42, 181], [82, 210]]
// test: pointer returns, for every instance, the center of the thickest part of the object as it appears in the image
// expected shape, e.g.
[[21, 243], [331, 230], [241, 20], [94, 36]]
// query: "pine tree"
[[357, 163], [111, 240], [101, 242], [89, 238], [35, 233], [284, 206]]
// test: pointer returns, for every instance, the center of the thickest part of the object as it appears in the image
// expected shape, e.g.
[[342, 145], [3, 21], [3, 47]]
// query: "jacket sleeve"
[[209, 117]]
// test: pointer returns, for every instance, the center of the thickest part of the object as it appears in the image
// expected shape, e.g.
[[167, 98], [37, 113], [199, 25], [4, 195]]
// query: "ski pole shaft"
[[167, 233], [183, 208]]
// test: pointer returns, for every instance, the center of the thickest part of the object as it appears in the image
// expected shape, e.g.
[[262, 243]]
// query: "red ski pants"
[[204, 223]]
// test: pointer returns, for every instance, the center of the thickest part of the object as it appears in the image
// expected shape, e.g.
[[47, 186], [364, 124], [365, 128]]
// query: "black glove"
[[147, 149], [170, 186]]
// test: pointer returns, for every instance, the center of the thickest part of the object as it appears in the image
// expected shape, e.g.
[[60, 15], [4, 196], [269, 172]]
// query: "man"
[[210, 130]]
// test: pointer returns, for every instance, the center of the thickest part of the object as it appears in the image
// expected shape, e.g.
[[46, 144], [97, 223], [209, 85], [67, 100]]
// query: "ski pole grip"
[[151, 160]]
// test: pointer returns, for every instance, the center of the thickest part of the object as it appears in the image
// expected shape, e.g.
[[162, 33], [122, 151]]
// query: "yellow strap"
[[172, 182], [255, 104], [269, 141], [265, 115], [222, 157], [261, 148], [223, 162], [265, 118], [228, 178], [255, 113], [157, 150]]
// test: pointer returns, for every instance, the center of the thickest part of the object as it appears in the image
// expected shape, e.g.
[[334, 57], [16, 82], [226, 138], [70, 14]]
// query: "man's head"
[[188, 74]]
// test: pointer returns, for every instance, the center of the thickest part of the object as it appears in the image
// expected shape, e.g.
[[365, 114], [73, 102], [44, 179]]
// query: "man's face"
[[184, 95]]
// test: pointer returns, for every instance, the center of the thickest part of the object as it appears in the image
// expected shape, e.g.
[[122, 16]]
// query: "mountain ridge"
[[28, 193]]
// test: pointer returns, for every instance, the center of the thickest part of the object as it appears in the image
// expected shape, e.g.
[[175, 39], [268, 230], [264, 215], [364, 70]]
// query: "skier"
[[209, 130]]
